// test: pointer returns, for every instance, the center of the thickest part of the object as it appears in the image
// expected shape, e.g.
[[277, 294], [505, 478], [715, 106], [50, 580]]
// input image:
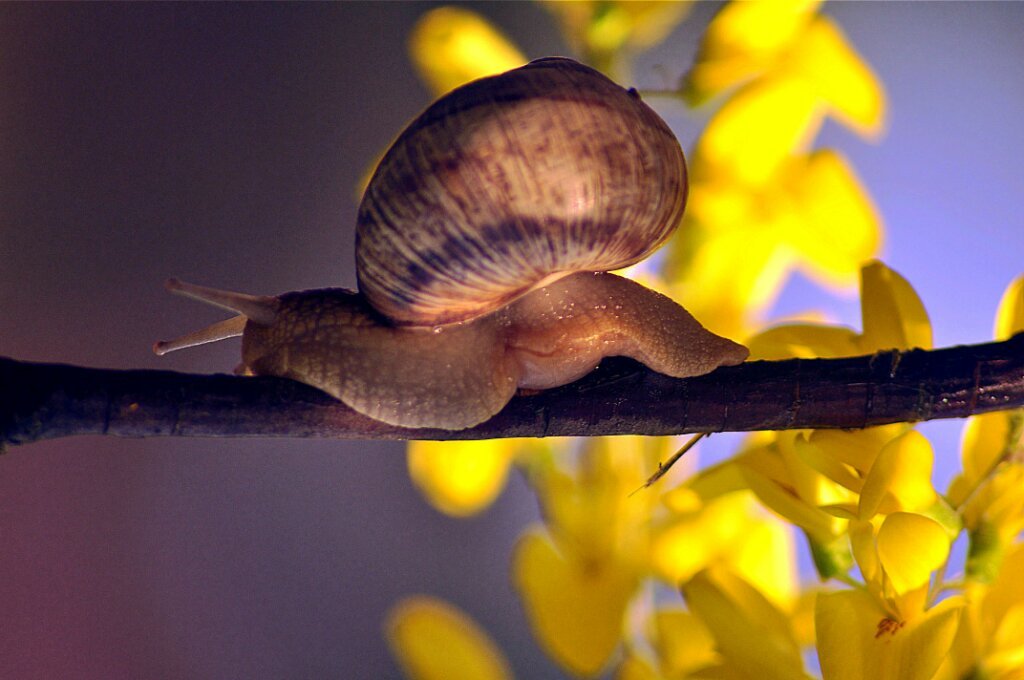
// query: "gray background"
[[223, 144]]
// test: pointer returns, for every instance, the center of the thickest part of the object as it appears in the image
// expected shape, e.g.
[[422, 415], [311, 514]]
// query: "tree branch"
[[45, 401]]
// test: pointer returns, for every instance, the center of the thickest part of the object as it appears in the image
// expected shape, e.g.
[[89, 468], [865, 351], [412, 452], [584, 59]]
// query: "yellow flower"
[[846, 457], [450, 46], [857, 638], [682, 642], [766, 40], [1010, 317], [433, 640], [784, 482], [753, 635], [892, 314], [900, 478], [990, 642], [728, 530], [990, 490], [576, 575], [575, 606], [761, 204], [461, 478], [744, 40], [841, 79], [897, 555], [739, 244], [605, 31]]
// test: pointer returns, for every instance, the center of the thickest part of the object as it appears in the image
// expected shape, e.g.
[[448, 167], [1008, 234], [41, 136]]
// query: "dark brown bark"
[[45, 401]]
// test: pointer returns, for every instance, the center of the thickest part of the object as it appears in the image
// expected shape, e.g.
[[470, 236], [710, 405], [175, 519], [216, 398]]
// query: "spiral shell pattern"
[[511, 182]]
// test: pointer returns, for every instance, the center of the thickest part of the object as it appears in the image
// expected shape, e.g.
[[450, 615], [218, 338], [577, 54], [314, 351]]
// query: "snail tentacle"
[[222, 330]]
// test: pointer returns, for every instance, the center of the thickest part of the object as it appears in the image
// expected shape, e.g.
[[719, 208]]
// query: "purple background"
[[223, 144]]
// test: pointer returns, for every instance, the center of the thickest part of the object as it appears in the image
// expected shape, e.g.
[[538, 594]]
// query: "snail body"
[[481, 245]]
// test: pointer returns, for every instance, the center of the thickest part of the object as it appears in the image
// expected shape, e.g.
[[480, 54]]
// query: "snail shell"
[[511, 182], [482, 245]]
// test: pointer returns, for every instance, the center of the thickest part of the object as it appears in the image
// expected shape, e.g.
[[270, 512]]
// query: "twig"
[[44, 401]]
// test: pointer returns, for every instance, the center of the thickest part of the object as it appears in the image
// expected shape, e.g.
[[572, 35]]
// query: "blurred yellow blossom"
[[842, 81], [577, 574], [461, 478], [753, 635], [574, 605], [767, 40], [604, 32], [756, 187], [450, 46], [815, 216], [684, 644], [728, 530], [990, 490], [744, 40], [433, 640], [990, 642]]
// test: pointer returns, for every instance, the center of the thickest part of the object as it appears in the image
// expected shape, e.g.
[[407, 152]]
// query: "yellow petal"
[[576, 608], [985, 441], [1009, 643], [862, 544], [636, 668], [743, 40], [731, 530], [910, 548], [682, 642], [748, 629], [611, 26], [900, 478], [683, 547], [858, 448], [432, 640], [724, 289], [967, 648], [995, 516], [460, 478], [822, 526], [803, 341], [765, 556], [587, 504], [451, 46], [1010, 317], [1006, 592], [707, 485], [822, 459], [857, 639], [839, 226], [893, 315], [780, 499], [840, 76], [759, 128]]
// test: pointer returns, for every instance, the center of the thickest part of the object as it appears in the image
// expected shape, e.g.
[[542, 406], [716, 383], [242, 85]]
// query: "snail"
[[483, 245]]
